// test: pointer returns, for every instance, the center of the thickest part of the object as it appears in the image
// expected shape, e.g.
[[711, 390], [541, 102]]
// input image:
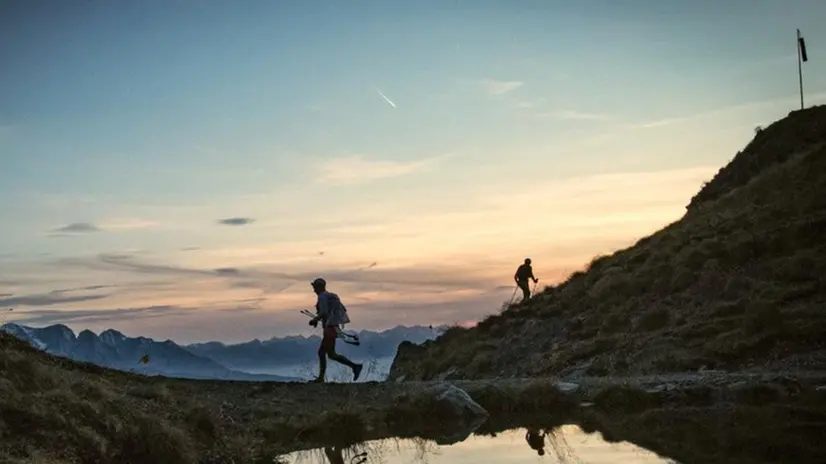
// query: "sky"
[[182, 170]]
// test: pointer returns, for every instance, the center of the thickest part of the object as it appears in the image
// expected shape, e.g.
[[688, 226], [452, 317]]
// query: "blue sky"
[[558, 130]]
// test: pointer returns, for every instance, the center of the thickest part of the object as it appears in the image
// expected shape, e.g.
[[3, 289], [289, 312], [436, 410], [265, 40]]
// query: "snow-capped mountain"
[[115, 350]]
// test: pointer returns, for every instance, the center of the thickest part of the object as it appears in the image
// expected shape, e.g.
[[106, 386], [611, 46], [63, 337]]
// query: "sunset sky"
[[183, 169]]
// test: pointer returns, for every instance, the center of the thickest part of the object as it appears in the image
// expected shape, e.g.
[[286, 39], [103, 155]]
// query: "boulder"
[[450, 401], [441, 412]]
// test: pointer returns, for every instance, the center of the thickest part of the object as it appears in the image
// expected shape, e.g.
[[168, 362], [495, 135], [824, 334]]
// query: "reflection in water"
[[569, 444], [335, 455], [536, 440]]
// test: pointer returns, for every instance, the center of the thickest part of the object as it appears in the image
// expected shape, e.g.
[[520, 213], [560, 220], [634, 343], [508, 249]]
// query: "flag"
[[801, 45]]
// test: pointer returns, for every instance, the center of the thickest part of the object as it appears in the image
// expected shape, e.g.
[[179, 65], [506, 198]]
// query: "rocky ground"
[[55, 410]]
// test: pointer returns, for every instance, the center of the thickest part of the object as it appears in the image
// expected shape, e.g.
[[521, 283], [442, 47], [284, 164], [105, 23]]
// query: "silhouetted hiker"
[[523, 273], [334, 455], [332, 313], [536, 440]]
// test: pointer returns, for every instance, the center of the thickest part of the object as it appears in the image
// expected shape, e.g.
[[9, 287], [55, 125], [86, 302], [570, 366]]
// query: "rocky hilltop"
[[738, 283]]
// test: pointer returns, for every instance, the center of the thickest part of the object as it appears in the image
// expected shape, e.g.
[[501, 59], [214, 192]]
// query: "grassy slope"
[[738, 282]]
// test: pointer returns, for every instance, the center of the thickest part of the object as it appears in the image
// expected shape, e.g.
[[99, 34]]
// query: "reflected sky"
[[567, 444]]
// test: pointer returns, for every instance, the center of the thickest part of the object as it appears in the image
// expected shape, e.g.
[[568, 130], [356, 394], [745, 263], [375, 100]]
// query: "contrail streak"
[[390, 102]]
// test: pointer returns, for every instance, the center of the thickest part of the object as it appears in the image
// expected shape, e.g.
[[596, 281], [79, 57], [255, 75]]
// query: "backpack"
[[337, 309]]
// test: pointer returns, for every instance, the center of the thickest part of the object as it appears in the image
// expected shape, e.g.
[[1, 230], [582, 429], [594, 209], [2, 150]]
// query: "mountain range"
[[209, 360], [115, 350], [294, 350]]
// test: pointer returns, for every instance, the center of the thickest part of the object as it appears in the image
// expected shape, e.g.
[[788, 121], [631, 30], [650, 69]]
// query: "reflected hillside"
[[734, 433], [565, 444]]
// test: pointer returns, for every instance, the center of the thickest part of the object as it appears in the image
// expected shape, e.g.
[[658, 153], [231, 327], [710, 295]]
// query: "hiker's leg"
[[322, 362], [330, 347], [328, 343], [526, 290], [331, 353], [341, 359]]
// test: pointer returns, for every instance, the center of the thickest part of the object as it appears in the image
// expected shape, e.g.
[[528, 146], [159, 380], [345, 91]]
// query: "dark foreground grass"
[[56, 410]]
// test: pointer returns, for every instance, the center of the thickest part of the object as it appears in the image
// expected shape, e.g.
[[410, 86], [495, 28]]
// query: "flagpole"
[[800, 69]]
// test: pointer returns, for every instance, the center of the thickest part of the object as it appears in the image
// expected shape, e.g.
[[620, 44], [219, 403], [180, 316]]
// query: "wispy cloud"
[[56, 316], [109, 225], [115, 224], [575, 115], [274, 280], [525, 104], [370, 266], [48, 299], [658, 123], [80, 289], [78, 228], [125, 262], [788, 101], [383, 96], [494, 87], [357, 169], [236, 221]]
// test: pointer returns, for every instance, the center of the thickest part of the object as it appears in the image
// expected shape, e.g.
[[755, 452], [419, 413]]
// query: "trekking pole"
[[361, 456], [510, 302]]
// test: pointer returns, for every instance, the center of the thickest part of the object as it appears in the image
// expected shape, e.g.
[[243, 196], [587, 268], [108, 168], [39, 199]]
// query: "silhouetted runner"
[[523, 273], [536, 440], [331, 313], [334, 455]]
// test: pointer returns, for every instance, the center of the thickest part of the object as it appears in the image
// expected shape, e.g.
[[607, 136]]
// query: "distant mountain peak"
[[112, 337], [115, 350], [113, 332], [300, 349]]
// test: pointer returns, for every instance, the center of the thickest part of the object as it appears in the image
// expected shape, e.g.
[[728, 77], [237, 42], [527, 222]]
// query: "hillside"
[[738, 283], [117, 351]]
